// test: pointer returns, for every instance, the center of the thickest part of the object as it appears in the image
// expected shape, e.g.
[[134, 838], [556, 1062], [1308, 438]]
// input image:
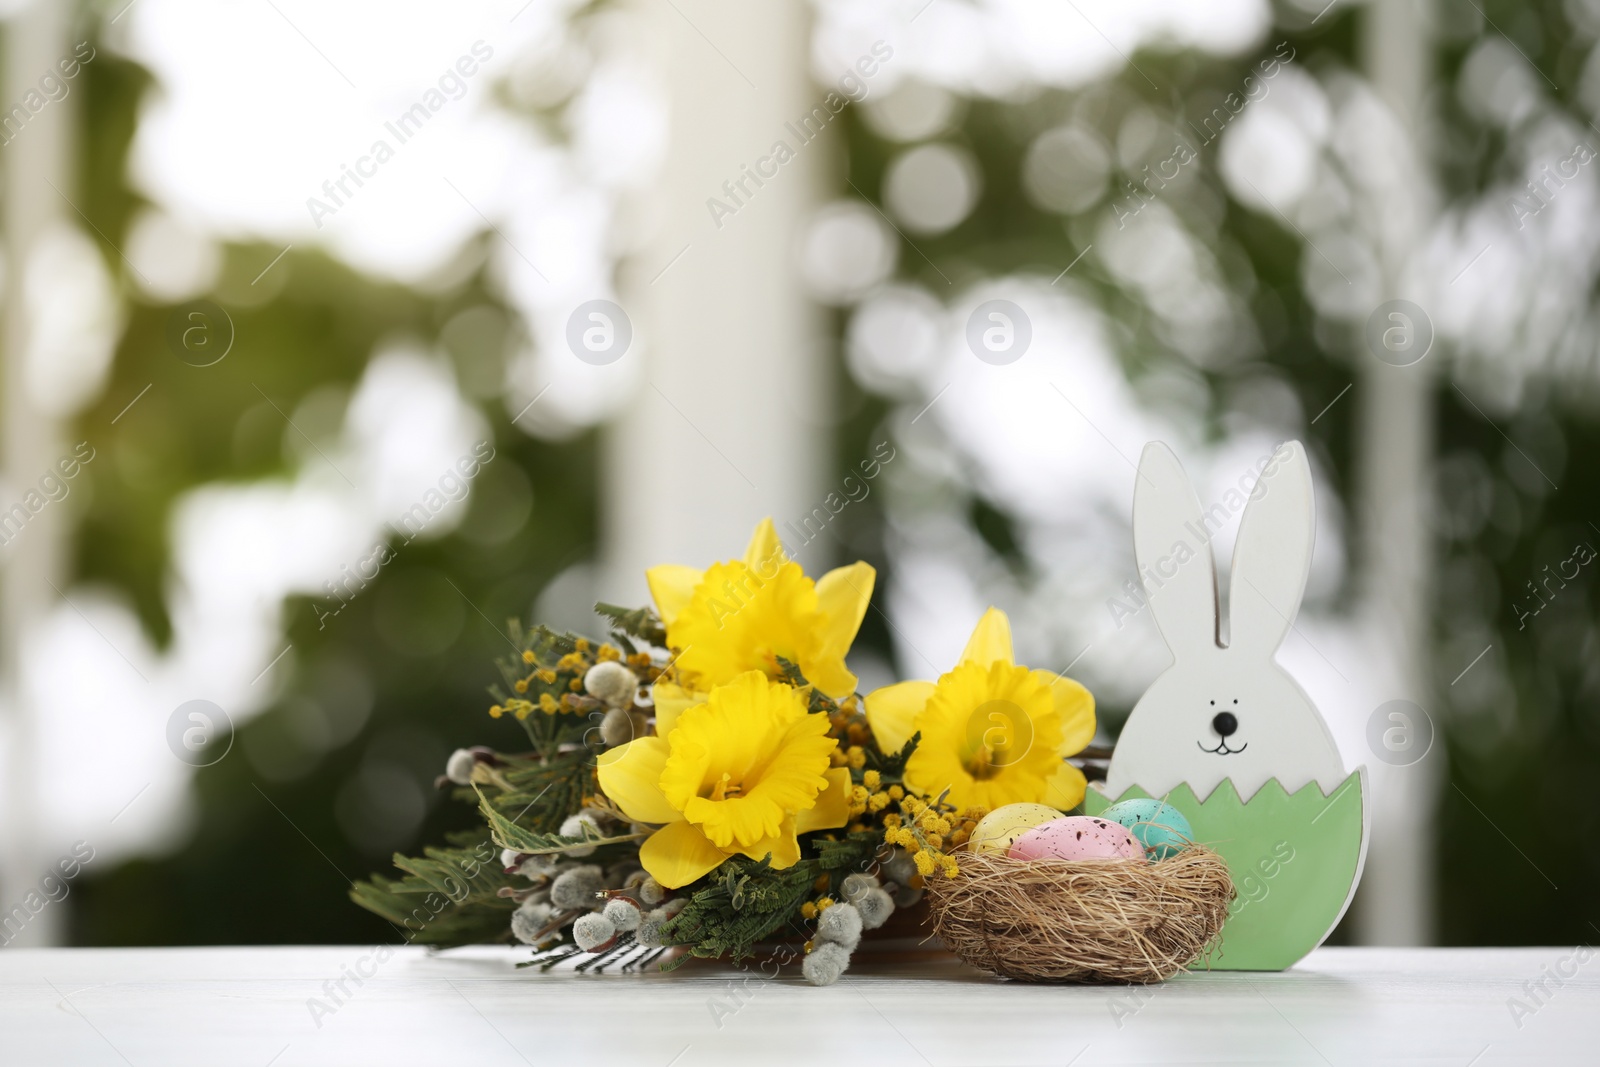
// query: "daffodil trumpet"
[[743, 772], [751, 614], [992, 732]]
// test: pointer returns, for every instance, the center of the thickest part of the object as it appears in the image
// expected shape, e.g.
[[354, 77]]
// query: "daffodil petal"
[[672, 587], [1074, 707], [783, 846], [990, 641], [630, 775], [765, 553], [1063, 790], [832, 809], [842, 596], [830, 675], [892, 712], [673, 700], [678, 853]]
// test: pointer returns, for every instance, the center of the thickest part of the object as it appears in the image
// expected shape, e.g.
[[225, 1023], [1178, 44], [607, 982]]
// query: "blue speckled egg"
[[1160, 828]]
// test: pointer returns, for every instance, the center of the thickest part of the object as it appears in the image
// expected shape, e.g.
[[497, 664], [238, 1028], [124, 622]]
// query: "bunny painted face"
[[1224, 711], [1230, 722], [1225, 724]]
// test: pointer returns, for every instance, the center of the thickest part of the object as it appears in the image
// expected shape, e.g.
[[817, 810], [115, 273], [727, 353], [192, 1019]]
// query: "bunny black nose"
[[1224, 723]]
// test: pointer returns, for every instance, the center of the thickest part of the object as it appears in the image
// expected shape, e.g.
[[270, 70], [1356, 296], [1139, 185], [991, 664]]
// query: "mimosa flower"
[[744, 615], [744, 772], [993, 733]]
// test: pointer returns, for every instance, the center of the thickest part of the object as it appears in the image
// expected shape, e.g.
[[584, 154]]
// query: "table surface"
[[254, 1007]]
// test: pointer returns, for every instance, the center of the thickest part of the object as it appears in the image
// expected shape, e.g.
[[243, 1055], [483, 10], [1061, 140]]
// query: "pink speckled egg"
[[1077, 837]]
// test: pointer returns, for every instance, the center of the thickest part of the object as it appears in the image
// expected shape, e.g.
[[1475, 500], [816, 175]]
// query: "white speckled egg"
[[1078, 837]]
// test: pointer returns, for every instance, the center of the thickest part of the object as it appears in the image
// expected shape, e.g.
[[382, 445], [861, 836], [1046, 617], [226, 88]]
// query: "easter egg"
[[1078, 837], [1160, 828], [997, 830]]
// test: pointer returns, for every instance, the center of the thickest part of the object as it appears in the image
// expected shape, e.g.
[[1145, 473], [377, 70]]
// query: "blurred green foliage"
[[400, 674]]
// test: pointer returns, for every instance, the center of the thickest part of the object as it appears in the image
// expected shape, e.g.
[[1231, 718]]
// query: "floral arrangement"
[[709, 778]]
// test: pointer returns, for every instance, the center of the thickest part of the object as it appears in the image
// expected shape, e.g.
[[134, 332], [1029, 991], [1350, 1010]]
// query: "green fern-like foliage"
[[745, 901], [846, 854], [449, 896], [542, 793], [641, 624]]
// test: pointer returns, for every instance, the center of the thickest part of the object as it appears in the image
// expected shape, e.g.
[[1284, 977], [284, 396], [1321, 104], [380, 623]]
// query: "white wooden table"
[[248, 1007]]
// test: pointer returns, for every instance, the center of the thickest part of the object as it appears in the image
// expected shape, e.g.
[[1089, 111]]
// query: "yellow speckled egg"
[[997, 830]]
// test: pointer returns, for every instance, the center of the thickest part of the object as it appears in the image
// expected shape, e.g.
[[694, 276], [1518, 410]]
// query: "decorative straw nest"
[[1059, 921]]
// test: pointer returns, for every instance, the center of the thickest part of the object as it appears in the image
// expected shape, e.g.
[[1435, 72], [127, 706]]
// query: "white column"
[[1394, 477], [34, 160], [727, 426]]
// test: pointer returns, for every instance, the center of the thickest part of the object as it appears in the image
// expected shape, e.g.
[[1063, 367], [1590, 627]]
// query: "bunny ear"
[[1173, 551], [1272, 556]]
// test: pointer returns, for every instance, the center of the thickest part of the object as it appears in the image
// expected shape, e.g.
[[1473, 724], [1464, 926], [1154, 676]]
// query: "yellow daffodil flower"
[[742, 772], [743, 615], [993, 733]]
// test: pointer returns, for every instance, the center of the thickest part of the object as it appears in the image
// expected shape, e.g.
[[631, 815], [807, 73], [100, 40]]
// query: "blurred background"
[[336, 335]]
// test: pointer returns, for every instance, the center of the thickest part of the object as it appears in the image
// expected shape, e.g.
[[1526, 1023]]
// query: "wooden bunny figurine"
[[1224, 711], [1224, 735]]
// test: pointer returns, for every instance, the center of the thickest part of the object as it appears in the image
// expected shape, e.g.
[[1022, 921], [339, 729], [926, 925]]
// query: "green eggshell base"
[[1294, 858]]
